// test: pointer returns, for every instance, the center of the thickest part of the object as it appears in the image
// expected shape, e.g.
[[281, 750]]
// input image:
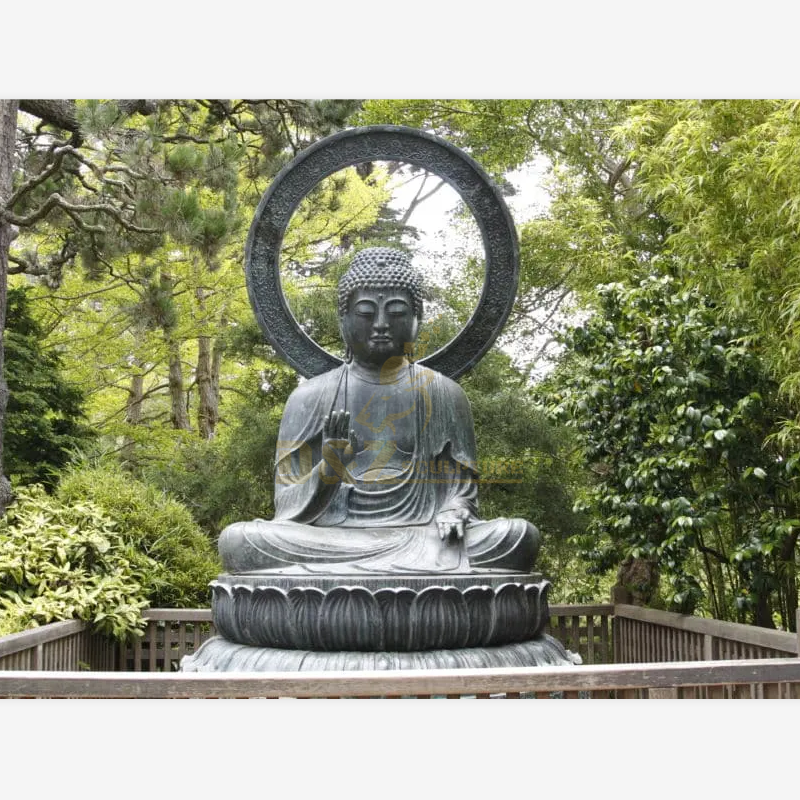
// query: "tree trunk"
[[638, 577], [216, 366], [208, 407], [8, 135], [789, 579], [761, 590], [762, 613], [133, 415], [180, 410]]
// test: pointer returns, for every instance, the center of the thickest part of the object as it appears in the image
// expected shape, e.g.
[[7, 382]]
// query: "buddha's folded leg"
[[503, 543], [262, 544]]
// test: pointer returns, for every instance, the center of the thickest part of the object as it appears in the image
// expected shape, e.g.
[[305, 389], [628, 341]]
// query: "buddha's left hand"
[[451, 523]]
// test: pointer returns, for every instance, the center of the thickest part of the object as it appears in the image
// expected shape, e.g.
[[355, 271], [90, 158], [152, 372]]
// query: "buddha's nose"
[[381, 323]]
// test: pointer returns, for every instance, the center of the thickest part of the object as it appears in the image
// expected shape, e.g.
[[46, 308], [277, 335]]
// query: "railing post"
[[797, 629], [708, 647], [615, 644]]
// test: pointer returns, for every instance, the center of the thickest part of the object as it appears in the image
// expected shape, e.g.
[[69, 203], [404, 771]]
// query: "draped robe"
[[415, 460]]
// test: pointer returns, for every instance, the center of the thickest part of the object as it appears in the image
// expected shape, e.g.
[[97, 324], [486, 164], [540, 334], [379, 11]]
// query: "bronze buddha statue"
[[376, 465]]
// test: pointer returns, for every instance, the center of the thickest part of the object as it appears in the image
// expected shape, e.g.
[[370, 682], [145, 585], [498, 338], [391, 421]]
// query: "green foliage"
[[44, 418], [674, 409], [528, 469], [144, 328], [156, 525], [62, 561], [725, 175], [709, 188], [183, 159], [598, 227], [230, 478]]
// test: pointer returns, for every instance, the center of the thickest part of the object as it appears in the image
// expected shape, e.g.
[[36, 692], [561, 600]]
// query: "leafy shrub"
[[155, 525], [674, 411], [66, 561]]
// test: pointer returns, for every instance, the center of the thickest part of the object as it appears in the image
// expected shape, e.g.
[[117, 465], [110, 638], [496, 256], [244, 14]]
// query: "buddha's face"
[[379, 324]]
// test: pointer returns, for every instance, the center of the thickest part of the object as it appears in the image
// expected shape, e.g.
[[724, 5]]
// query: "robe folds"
[[413, 463]]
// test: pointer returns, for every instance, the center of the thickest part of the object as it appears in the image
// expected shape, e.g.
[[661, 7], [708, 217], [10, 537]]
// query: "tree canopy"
[[660, 285]]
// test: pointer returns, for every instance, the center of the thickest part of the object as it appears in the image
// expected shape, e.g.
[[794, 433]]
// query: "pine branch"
[[60, 113], [124, 169], [74, 210], [328, 236], [84, 295], [144, 107], [285, 127], [63, 113], [100, 173], [26, 267], [33, 182], [76, 173], [29, 264]]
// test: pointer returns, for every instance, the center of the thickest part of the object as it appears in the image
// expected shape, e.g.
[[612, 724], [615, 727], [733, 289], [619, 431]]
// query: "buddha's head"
[[380, 305]]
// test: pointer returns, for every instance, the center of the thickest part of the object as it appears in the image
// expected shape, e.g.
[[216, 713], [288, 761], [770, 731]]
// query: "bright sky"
[[446, 241], [434, 217]]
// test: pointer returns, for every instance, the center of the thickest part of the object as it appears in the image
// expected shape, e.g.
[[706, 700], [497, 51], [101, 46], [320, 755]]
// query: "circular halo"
[[381, 143]]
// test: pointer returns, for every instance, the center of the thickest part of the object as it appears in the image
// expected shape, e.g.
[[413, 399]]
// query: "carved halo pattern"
[[374, 143]]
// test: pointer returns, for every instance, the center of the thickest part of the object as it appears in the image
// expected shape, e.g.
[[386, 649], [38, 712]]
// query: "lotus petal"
[[480, 603], [271, 624], [397, 623], [511, 621], [441, 619], [306, 603], [350, 619]]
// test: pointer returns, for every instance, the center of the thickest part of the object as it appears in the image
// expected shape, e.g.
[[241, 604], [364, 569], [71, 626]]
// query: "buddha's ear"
[[347, 346]]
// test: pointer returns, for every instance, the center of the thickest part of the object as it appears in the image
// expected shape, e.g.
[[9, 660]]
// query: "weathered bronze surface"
[[376, 465], [221, 655], [373, 143], [406, 616], [376, 548]]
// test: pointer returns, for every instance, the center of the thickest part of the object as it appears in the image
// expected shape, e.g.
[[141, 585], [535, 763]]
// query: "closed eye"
[[397, 308], [365, 308]]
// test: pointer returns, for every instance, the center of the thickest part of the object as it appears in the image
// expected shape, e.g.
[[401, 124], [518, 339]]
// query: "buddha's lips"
[[380, 339]]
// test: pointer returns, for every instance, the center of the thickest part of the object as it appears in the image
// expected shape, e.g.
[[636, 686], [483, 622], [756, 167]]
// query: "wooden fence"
[[644, 635], [758, 678], [60, 646], [585, 630], [71, 646], [171, 634], [627, 651]]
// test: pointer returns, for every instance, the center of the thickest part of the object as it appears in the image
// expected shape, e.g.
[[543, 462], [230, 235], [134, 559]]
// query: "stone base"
[[380, 613], [220, 655]]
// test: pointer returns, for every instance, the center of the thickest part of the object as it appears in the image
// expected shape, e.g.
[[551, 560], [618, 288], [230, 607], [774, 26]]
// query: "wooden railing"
[[644, 635], [60, 646], [627, 652], [171, 634], [767, 678], [585, 630]]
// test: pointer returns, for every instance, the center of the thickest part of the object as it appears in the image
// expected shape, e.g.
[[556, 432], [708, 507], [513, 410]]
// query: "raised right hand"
[[339, 442]]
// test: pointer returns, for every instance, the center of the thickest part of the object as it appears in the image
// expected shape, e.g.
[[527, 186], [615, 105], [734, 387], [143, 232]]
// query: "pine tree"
[[44, 417]]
